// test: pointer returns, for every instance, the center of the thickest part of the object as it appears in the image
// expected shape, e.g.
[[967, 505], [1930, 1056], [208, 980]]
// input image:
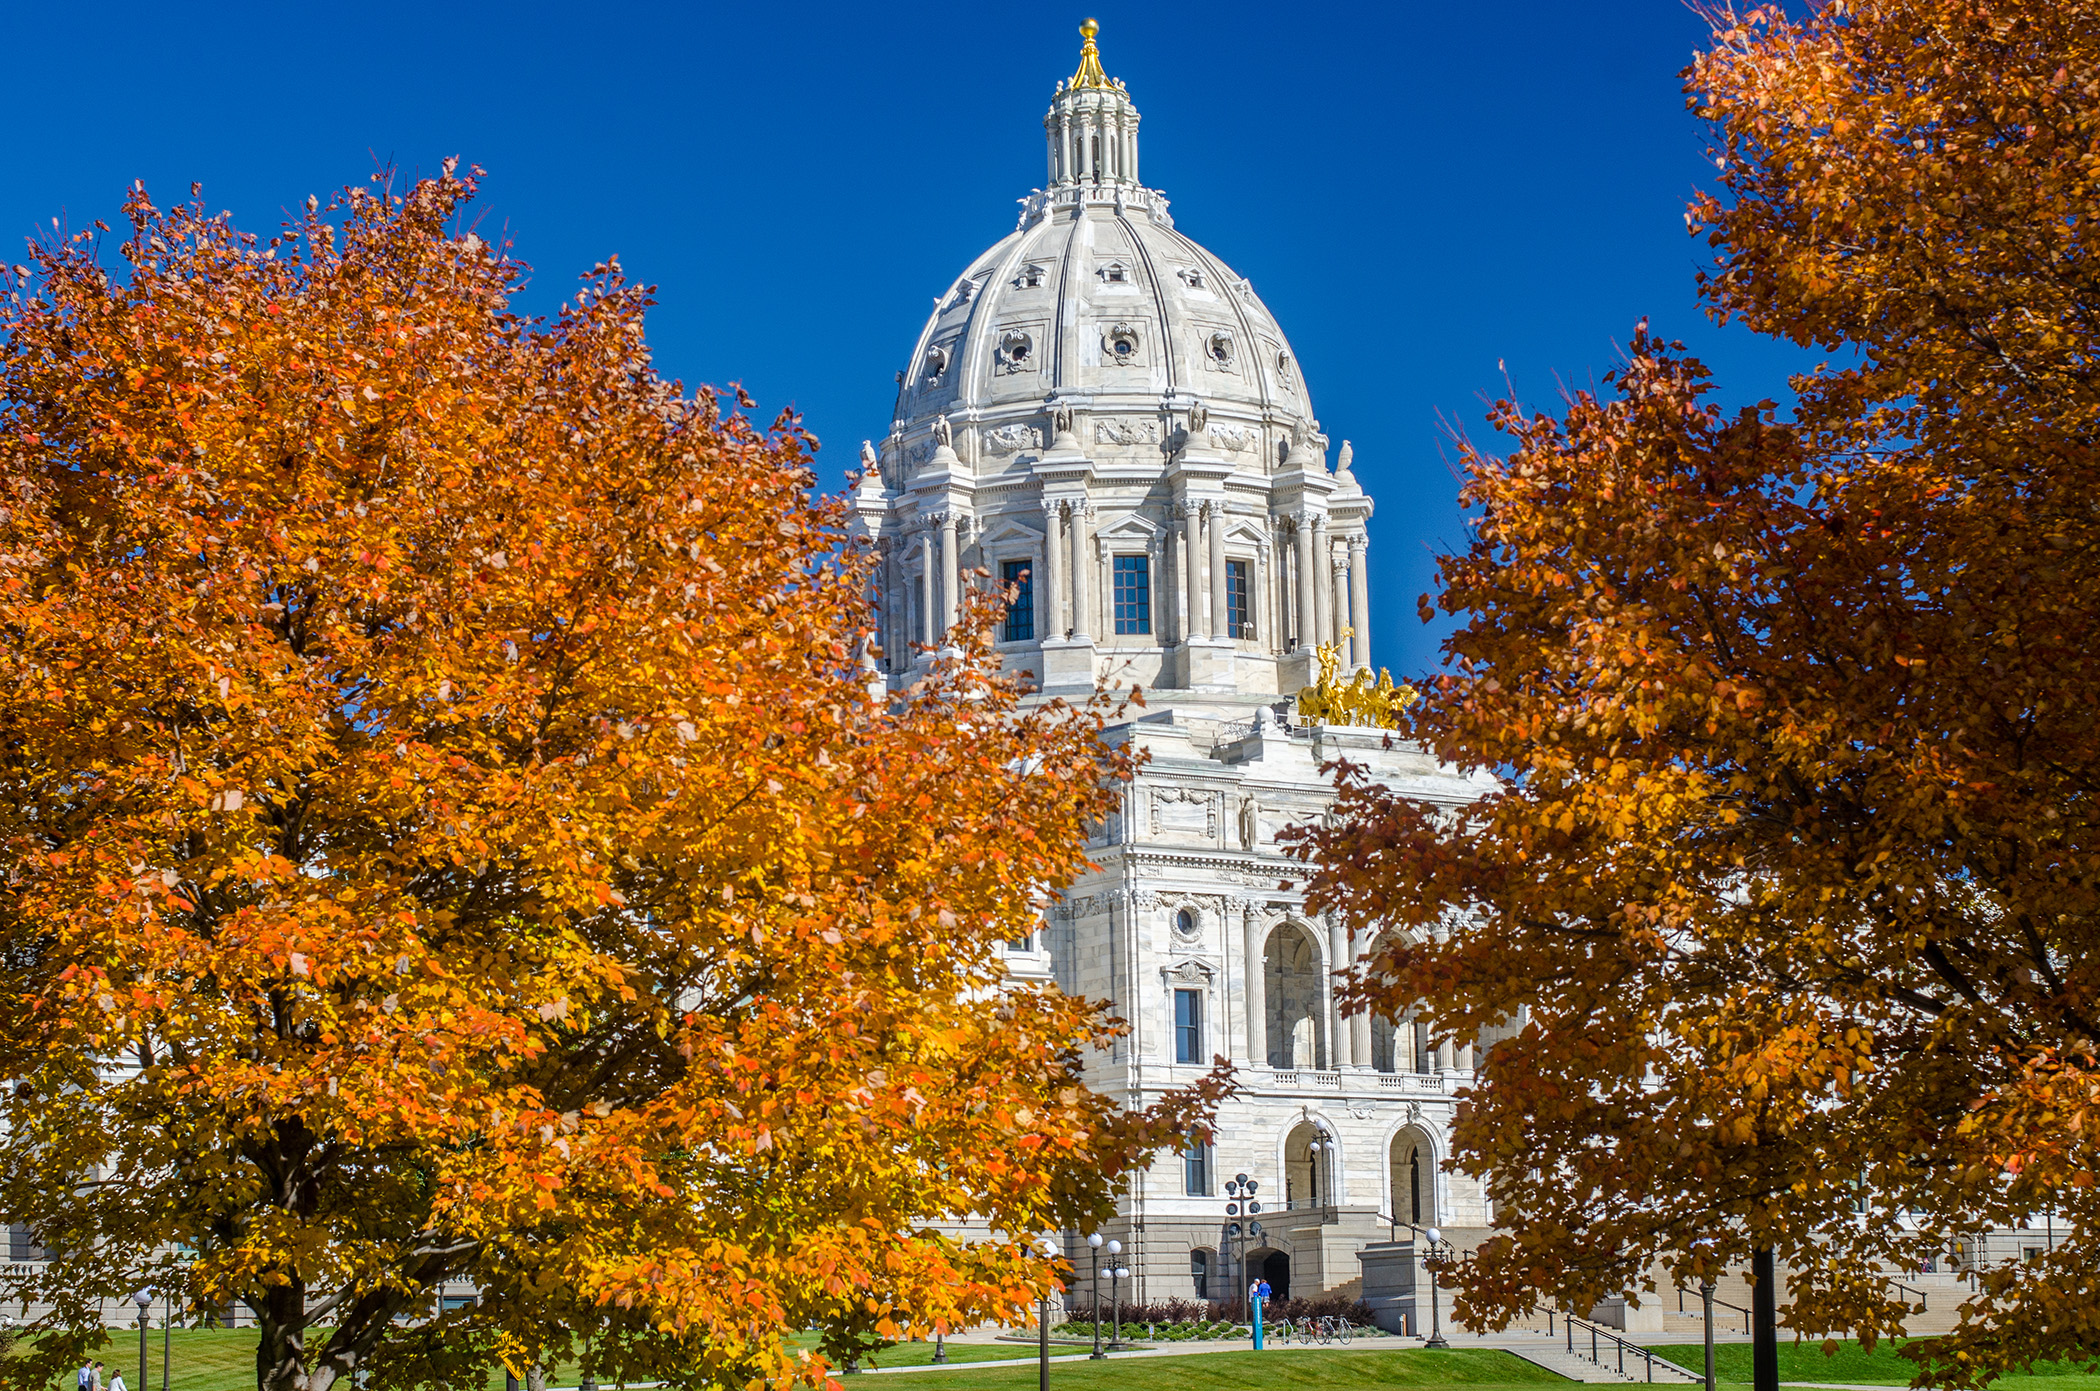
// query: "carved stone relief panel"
[[1126, 432], [1012, 439], [1185, 811]]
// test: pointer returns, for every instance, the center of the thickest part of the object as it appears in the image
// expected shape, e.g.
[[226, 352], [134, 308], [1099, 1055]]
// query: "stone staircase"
[[1553, 1354]]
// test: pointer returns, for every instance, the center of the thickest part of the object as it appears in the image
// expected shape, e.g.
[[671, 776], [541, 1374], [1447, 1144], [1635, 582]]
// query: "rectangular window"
[[1195, 1169], [21, 1246], [1015, 578], [1199, 1272], [1133, 594], [1188, 1026], [1238, 617]]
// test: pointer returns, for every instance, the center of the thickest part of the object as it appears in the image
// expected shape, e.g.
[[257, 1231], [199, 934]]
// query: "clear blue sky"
[[1419, 191]]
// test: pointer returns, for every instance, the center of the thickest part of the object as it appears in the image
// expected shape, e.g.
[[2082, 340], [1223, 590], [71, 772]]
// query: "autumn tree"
[[1788, 890], [450, 835]]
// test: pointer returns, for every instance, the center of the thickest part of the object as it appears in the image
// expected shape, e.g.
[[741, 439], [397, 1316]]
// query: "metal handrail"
[[1902, 1288], [1394, 1224], [1722, 1303], [1594, 1354]]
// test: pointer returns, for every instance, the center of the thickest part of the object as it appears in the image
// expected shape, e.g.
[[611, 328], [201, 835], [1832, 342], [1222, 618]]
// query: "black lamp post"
[[1240, 1197], [1115, 1297], [1093, 1291], [1706, 1304], [144, 1299], [1436, 1323]]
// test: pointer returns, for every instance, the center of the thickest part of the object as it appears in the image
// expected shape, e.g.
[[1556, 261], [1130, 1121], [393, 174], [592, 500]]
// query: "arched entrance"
[[1291, 990], [1276, 1269], [1414, 1178], [1311, 1167]]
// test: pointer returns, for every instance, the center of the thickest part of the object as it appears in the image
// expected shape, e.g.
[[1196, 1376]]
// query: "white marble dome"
[[1097, 293], [1104, 413]]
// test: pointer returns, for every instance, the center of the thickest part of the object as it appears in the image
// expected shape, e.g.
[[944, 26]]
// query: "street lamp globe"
[[1094, 1239], [1122, 1272], [1115, 1248], [143, 1298], [1434, 1235]]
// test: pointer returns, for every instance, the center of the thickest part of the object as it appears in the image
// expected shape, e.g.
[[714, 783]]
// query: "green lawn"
[[222, 1359], [1481, 1370], [1806, 1361]]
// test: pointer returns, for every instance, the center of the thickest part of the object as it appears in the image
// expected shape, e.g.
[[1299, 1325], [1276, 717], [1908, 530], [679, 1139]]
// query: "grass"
[[1478, 1369], [1806, 1361], [223, 1359]]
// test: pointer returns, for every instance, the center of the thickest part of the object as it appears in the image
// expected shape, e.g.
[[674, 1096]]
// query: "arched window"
[[1199, 1272]]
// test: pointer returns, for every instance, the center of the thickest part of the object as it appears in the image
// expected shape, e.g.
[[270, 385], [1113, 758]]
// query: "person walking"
[[95, 1379], [84, 1379], [116, 1381]]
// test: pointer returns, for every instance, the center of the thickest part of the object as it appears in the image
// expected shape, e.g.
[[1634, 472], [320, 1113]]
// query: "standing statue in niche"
[[943, 433], [1199, 416]]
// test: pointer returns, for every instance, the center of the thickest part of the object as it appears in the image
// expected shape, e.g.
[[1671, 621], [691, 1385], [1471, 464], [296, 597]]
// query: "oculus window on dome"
[[1017, 350]]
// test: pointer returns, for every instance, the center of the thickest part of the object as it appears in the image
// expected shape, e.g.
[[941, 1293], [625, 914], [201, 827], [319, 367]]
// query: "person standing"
[[95, 1378], [84, 1379]]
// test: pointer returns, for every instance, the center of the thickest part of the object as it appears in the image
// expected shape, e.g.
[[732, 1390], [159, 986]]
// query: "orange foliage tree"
[[450, 835], [1788, 893]]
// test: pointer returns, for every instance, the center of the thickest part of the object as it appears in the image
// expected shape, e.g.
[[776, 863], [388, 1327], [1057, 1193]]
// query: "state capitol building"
[[1102, 415]]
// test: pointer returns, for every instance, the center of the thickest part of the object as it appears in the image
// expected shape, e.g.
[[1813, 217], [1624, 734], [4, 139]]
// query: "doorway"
[[1276, 1269]]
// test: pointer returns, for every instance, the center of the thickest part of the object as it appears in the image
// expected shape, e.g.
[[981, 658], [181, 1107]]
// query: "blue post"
[[1257, 1323]]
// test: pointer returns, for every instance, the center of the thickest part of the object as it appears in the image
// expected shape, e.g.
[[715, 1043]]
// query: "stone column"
[[1465, 1057], [1360, 1025], [1338, 586], [1258, 599], [1192, 561], [1308, 614], [1052, 587], [1360, 599], [1404, 1043], [1338, 958], [1319, 578], [1082, 619], [1444, 1059], [928, 615], [951, 573], [1257, 965], [1220, 628]]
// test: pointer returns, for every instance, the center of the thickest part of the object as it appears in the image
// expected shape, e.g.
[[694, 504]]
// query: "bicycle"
[[1336, 1330], [1309, 1329]]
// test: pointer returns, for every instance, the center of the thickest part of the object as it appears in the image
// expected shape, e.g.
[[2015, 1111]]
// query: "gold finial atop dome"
[[1089, 74]]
